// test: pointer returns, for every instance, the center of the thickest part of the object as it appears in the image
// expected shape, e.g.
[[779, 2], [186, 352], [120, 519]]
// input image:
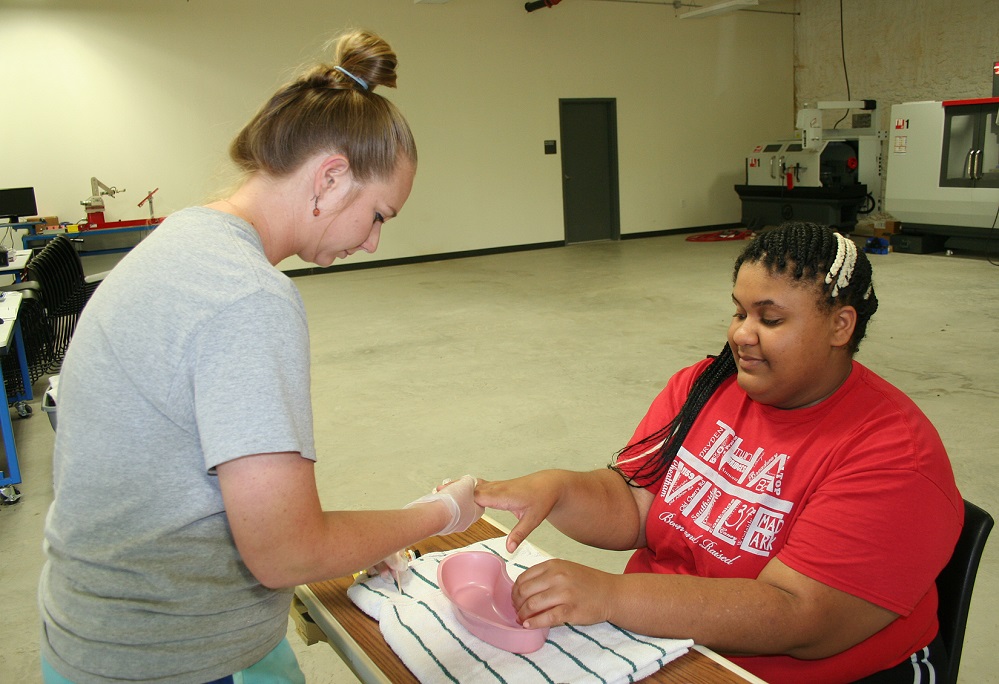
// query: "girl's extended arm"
[[597, 508]]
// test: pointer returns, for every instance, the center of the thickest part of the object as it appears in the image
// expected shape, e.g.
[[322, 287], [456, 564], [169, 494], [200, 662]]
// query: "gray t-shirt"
[[194, 351]]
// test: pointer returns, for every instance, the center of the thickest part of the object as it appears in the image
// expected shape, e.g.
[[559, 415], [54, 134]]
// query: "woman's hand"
[[559, 591], [458, 498]]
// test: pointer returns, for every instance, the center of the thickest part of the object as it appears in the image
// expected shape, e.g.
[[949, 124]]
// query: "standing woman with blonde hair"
[[184, 398]]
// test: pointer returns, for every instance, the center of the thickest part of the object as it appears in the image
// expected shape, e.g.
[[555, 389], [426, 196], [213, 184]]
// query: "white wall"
[[895, 52], [148, 94]]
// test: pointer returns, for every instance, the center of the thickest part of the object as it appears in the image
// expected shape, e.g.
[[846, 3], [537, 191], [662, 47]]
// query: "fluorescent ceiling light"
[[719, 8]]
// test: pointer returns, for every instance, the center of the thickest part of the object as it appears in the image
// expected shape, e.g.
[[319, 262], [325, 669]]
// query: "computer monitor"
[[16, 203]]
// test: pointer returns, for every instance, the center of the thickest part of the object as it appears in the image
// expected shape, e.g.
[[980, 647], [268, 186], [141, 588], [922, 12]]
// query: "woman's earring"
[[315, 209]]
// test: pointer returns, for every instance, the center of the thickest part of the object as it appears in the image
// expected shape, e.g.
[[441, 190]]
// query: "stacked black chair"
[[53, 297], [64, 292], [39, 344]]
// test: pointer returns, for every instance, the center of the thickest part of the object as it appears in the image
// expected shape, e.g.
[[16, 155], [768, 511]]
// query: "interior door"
[[591, 209]]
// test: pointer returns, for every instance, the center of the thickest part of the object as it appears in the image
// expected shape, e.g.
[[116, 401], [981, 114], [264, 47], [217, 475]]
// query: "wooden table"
[[357, 639]]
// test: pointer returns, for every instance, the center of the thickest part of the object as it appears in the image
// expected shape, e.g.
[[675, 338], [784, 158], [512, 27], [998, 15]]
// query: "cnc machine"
[[826, 176]]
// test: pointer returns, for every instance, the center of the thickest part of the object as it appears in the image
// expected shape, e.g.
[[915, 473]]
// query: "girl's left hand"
[[558, 591]]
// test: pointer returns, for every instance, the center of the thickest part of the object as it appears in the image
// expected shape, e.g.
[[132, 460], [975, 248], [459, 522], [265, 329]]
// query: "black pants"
[[929, 662]]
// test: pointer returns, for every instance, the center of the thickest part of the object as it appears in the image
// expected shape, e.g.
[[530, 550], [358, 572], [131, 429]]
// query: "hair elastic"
[[360, 81]]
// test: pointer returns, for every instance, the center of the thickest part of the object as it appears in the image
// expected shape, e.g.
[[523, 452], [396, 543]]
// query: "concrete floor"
[[505, 364]]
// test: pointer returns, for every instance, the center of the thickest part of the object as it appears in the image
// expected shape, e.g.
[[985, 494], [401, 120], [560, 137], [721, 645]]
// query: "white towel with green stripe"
[[421, 628]]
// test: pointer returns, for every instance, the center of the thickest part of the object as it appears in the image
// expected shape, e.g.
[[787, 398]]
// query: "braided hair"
[[797, 250], [332, 108]]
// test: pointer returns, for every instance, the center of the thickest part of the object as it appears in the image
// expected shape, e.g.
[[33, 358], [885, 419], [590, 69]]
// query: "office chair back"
[[956, 582], [59, 272], [56, 274]]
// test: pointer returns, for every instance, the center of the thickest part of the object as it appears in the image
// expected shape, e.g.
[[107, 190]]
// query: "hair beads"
[[842, 266]]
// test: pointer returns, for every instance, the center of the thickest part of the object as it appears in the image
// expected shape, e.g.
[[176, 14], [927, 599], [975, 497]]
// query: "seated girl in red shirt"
[[789, 508]]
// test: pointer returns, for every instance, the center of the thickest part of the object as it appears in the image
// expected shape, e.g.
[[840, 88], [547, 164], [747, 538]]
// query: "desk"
[[10, 340], [356, 637], [39, 239], [15, 267]]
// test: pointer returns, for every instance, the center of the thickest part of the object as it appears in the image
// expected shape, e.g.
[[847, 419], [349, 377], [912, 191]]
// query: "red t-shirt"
[[856, 492]]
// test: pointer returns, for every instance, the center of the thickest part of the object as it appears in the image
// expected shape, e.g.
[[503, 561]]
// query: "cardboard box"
[[887, 228], [306, 627], [51, 223], [864, 228]]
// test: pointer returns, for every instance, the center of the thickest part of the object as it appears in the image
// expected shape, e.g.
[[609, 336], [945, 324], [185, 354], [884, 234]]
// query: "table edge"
[[347, 648], [727, 664]]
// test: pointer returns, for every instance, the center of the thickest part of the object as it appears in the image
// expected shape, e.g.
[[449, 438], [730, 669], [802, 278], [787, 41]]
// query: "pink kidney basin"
[[481, 594]]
